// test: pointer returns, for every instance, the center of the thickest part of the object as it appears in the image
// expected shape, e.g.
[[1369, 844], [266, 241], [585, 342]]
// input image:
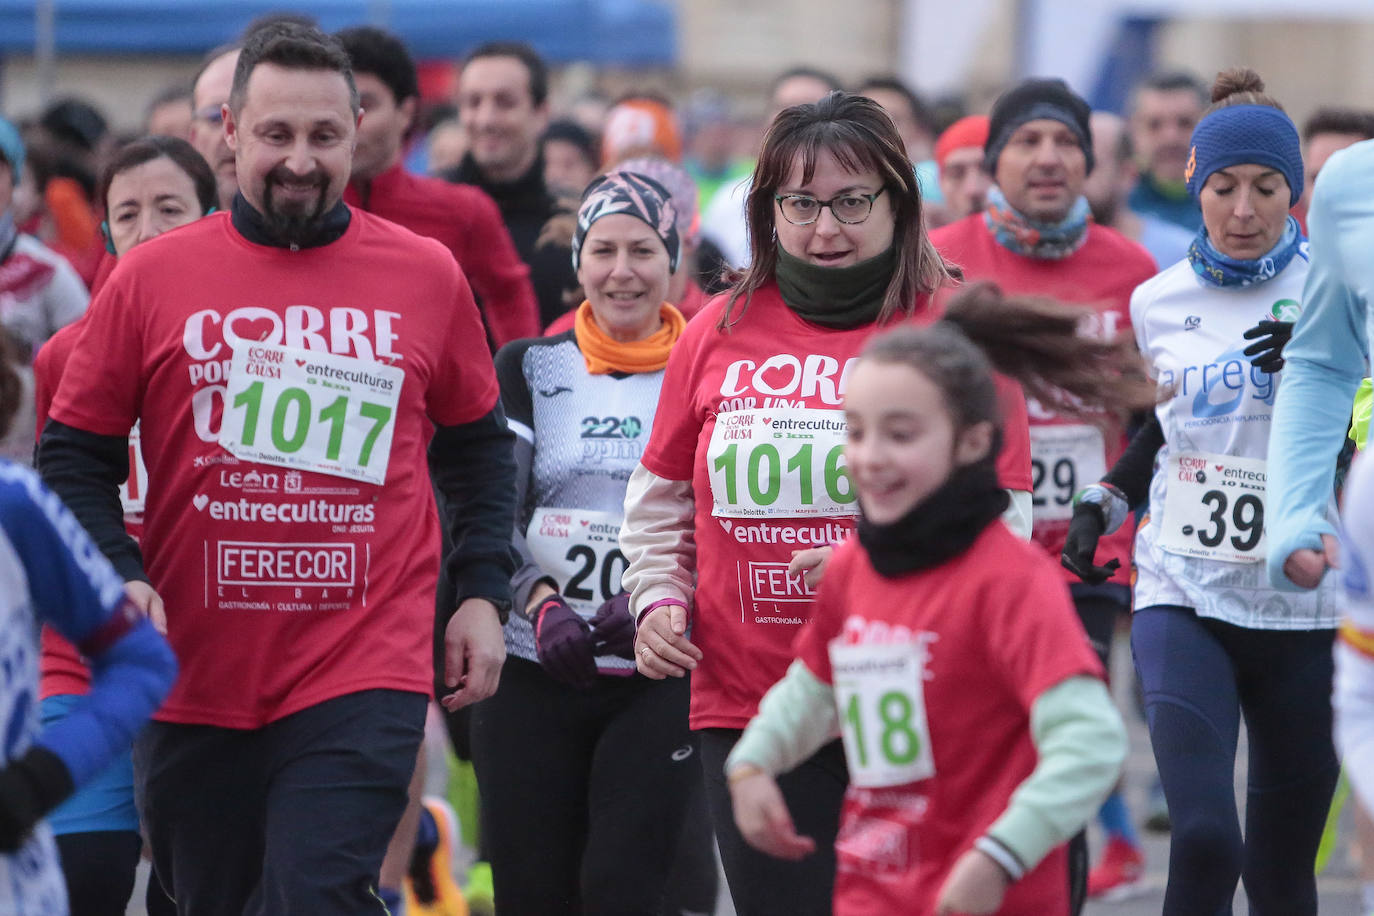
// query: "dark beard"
[[298, 224]]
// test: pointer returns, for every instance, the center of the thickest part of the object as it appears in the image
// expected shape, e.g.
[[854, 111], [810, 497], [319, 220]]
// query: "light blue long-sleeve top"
[[1325, 360]]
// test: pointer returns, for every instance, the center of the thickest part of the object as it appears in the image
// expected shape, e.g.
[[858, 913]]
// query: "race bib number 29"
[[311, 411], [782, 463]]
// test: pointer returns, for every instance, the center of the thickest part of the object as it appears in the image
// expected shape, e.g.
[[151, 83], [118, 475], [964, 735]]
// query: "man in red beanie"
[[964, 179]]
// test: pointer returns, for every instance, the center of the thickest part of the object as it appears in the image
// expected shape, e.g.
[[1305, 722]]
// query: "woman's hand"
[[762, 816], [975, 886], [810, 564], [1305, 567], [147, 600], [661, 645]]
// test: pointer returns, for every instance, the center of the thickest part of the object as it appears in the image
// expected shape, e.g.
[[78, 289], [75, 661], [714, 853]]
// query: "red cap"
[[969, 131], [639, 127]]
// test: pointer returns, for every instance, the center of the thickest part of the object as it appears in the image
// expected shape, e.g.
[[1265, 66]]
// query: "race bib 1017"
[[311, 411], [780, 463], [1214, 507], [880, 697]]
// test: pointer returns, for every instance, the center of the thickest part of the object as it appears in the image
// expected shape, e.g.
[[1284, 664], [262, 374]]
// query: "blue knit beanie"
[[1245, 135]]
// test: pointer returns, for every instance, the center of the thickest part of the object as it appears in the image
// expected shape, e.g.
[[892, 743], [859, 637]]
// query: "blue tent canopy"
[[627, 32]]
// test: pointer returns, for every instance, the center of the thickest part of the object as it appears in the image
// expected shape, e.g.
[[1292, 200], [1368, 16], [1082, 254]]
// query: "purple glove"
[[564, 643], [613, 628]]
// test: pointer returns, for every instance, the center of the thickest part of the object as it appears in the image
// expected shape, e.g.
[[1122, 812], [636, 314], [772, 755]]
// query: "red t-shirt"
[[1101, 274], [284, 587], [771, 367], [469, 225], [990, 630]]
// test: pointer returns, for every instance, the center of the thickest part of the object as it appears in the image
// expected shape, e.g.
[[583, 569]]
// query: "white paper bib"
[[780, 463], [311, 411], [1214, 507], [580, 548], [880, 696], [1064, 459]]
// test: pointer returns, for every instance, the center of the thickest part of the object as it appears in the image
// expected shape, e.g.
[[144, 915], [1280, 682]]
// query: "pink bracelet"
[[662, 602]]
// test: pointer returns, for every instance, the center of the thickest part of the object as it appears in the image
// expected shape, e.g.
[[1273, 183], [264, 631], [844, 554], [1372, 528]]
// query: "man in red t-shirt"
[[461, 216], [1037, 237], [286, 409]]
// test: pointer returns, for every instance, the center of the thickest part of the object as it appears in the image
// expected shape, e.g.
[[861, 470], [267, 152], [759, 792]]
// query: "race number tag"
[[1214, 507], [780, 463], [311, 411], [1063, 460], [133, 492], [881, 701], [580, 549]]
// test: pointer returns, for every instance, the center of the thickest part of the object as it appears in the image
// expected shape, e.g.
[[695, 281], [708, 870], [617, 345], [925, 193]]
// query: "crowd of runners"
[[772, 505]]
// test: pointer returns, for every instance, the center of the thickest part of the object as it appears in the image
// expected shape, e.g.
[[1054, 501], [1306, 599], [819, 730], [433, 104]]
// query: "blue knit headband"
[[1245, 135]]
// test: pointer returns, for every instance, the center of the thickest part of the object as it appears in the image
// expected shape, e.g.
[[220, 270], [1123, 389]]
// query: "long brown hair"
[[1037, 342], [11, 387], [860, 135]]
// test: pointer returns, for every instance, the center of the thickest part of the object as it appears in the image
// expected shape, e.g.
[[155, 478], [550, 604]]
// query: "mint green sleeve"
[[796, 718], [1324, 363], [1081, 744]]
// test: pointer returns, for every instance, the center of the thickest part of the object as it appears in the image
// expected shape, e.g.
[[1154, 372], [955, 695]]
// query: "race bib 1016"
[[580, 549], [1214, 507], [311, 411], [780, 463], [880, 697], [1064, 459]]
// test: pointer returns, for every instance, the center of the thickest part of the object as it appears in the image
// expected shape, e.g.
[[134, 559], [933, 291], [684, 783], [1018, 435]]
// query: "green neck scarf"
[[837, 297]]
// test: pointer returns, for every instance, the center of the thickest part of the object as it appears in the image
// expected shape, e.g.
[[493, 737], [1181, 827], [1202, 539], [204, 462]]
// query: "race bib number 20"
[[311, 411], [781, 463]]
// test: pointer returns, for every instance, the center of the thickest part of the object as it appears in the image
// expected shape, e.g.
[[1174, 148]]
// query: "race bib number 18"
[[881, 701], [780, 463], [1214, 507], [311, 411]]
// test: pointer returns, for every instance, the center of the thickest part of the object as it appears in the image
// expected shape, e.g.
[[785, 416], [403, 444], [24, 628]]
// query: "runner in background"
[[1037, 238], [462, 217], [51, 574], [1164, 108], [978, 731], [707, 542], [1211, 638], [149, 187], [295, 542]]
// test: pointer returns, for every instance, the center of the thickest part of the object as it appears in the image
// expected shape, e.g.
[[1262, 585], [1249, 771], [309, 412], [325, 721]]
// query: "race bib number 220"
[[311, 411]]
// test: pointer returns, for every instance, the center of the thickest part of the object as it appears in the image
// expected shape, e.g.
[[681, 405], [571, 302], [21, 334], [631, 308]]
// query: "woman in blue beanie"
[[1212, 639]]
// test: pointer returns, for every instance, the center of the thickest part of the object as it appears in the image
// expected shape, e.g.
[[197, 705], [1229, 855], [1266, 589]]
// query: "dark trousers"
[[761, 885], [290, 818], [1200, 676], [584, 793]]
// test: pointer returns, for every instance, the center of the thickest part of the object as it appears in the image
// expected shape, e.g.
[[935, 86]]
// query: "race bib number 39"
[[1214, 507], [782, 463], [881, 701], [311, 411], [1063, 460]]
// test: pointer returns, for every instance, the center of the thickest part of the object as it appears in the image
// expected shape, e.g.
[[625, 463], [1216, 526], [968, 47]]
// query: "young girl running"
[[978, 731]]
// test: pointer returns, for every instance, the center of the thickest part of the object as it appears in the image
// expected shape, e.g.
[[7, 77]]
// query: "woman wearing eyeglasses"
[[743, 483]]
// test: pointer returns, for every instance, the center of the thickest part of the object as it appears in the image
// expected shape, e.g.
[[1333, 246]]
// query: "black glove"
[[1267, 350], [30, 787], [613, 629], [1085, 530], [563, 641]]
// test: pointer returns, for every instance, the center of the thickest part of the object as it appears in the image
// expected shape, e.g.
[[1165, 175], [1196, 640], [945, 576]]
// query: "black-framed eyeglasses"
[[803, 210]]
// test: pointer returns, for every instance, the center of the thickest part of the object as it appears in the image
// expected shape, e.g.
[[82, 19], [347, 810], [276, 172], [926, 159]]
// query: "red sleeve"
[[1035, 637], [672, 449], [1014, 462], [47, 369], [101, 394], [812, 644], [463, 387], [497, 274]]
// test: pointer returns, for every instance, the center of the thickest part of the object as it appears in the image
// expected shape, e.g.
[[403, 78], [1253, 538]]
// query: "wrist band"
[[662, 602], [1110, 501], [994, 850]]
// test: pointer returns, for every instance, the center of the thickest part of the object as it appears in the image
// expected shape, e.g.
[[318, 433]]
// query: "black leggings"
[[98, 866], [761, 885], [1200, 675], [584, 793]]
